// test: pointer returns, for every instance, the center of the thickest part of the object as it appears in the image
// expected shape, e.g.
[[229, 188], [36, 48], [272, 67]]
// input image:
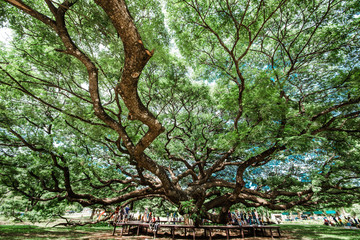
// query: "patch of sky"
[[174, 50], [270, 67], [251, 185], [6, 36]]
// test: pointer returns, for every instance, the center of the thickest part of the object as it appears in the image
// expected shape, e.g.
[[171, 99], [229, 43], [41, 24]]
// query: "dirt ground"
[[103, 236], [108, 235], [165, 235]]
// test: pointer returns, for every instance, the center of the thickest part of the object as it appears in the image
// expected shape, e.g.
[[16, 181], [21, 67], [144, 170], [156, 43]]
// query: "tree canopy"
[[206, 104]]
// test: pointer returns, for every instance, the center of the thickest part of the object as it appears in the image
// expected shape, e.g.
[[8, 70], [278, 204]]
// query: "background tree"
[[260, 109]]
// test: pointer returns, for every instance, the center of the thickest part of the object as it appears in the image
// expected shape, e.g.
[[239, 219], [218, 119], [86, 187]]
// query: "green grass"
[[33, 232], [317, 231]]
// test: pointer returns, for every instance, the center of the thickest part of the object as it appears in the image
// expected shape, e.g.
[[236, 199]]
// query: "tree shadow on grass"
[[34, 232]]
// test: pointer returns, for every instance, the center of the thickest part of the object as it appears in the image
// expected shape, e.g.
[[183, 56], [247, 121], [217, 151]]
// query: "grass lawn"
[[34, 232], [317, 231], [288, 231]]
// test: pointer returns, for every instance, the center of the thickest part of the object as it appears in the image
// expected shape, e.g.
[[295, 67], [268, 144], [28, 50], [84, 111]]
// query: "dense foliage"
[[241, 102]]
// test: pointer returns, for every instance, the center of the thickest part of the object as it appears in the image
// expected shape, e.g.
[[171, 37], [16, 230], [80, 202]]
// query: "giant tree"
[[259, 107]]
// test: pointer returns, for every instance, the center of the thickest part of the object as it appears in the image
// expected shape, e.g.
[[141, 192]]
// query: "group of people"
[[122, 214], [338, 221], [147, 216], [234, 218], [244, 218], [172, 217]]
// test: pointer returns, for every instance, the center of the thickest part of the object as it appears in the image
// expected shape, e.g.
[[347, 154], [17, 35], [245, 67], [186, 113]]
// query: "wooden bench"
[[207, 228]]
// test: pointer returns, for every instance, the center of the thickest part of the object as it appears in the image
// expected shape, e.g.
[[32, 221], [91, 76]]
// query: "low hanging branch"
[[73, 223]]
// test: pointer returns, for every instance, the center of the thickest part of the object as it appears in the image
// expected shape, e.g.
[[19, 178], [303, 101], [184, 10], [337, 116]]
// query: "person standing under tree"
[[116, 214], [126, 213], [144, 219], [256, 216]]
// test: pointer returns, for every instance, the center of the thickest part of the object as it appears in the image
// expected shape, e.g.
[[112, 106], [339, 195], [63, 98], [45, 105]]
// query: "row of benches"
[[207, 228]]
